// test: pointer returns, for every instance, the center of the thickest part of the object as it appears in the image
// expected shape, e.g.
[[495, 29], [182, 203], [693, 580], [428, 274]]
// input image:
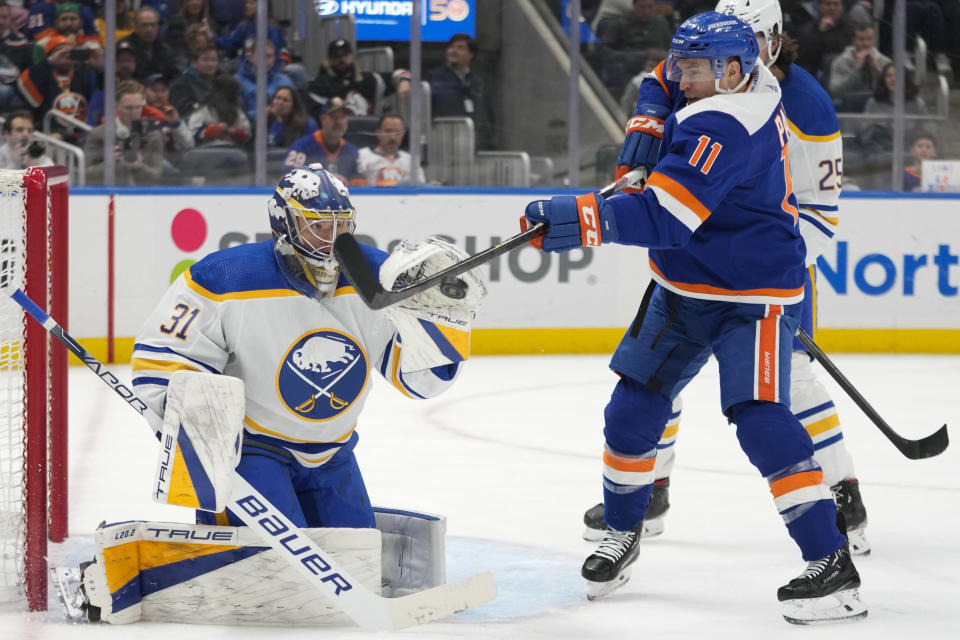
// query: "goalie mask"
[[310, 208]]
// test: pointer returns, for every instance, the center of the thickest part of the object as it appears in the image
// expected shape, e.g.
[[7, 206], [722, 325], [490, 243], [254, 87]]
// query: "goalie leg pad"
[[170, 572], [413, 556], [199, 440]]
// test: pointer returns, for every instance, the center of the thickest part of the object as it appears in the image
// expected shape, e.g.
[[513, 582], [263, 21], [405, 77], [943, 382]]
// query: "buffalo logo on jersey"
[[321, 375]]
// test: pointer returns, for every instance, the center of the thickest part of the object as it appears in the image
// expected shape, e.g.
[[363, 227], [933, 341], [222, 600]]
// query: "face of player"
[[390, 135], [4, 19], [129, 108], [334, 124], [319, 235], [697, 79]]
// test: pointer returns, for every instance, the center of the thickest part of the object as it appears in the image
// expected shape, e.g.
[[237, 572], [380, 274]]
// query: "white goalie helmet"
[[764, 16], [309, 209]]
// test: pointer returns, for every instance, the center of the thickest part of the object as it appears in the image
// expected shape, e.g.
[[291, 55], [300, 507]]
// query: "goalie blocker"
[[171, 572]]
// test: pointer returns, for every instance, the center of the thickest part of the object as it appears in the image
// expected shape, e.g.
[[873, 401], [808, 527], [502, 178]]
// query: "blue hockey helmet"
[[309, 209], [717, 38]]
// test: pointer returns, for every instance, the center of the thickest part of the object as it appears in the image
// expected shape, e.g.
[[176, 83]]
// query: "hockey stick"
[[927, 447], [364, 607], [365, 281]]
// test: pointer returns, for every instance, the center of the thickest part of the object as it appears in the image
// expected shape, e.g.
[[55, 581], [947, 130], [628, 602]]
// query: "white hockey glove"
[[200, 440], [434, 328]]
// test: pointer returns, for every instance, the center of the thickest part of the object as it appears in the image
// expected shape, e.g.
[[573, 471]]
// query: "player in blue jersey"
[[721, 222], [816, 160]]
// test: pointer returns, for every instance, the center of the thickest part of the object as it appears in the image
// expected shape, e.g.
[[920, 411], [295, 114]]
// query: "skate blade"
[[593, 535], [841, 606], [67, 581], [857, 540], [652, 528], [597, 590]]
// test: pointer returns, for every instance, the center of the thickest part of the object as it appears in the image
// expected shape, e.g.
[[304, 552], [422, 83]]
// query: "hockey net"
[[33, 391]]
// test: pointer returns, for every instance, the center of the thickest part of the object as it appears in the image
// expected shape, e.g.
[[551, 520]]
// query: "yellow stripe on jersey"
[[144, 364], [811, 138], [344, 291], [247, 420], [237, 295]]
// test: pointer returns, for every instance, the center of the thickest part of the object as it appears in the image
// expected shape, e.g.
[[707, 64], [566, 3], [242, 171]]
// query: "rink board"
[[888, 285]]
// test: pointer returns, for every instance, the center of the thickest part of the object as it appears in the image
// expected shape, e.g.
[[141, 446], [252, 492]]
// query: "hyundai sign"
[[390, 19]]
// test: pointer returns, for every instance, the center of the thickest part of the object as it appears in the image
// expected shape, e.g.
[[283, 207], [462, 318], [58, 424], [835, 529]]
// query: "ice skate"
[[846, 494], [826, 592], [608, 567], [595, 526], [73, 594]]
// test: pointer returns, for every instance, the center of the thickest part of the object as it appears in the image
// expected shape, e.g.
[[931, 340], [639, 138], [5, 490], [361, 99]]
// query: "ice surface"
[[511, 456]]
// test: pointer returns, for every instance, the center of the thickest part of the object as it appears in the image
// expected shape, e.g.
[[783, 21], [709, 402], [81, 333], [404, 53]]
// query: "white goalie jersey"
[[306, 365], [816, 158]]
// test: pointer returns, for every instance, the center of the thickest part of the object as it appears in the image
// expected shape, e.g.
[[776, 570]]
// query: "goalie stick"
[[365, 281], [927, 447], [364, 607]]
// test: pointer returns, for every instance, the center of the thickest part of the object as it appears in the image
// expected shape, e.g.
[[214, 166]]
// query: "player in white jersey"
[[386, 165], [280, 317], [816, 159]]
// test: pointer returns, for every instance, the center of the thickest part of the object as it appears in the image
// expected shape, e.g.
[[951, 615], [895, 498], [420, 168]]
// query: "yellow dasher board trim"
[[487, 342]]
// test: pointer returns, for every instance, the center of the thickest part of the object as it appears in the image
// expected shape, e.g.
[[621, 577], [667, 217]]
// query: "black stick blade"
[[355, 266], [933, 445]]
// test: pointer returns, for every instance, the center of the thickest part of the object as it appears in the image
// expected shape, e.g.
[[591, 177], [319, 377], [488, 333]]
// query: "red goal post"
[[33, 380]]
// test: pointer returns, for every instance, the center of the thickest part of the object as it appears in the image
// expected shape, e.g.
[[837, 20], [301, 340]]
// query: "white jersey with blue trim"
[[305, 364], [816, 158]]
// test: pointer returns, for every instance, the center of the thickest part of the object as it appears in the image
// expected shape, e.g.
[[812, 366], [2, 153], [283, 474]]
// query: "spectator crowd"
[[185, 93], [845, 44]]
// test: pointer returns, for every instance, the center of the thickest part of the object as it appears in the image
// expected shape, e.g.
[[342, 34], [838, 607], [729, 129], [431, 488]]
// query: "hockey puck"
[[453, 287]]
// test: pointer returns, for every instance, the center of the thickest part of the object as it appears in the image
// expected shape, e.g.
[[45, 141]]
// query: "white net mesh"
[[12, 389]]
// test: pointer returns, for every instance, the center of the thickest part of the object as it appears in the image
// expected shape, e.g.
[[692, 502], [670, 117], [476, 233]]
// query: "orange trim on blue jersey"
[[795, 481], [720, 291], [658, 73], [680, 193], [622, 463], [767, 351]]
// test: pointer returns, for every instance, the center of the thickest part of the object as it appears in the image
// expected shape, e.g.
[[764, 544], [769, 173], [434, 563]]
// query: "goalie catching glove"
[[434, 327]]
